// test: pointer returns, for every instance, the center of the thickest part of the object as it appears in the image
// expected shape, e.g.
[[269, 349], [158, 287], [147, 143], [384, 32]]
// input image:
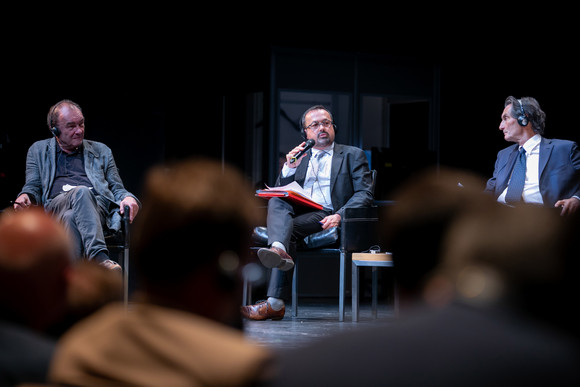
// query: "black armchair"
[[358, 232], [119, 242]]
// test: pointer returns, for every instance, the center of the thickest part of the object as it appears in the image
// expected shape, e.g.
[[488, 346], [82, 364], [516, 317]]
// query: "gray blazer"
[[350, 181], [99, 166]]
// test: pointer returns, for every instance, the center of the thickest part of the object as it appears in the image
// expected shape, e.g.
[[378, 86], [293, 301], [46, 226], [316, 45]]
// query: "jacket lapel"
[[51, 162], [302, 169], [337, 157], [89, 155], [545, 152], [504, 175]]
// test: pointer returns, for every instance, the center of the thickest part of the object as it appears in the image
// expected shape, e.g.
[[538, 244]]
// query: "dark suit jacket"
[[350, 181], [559, 170]]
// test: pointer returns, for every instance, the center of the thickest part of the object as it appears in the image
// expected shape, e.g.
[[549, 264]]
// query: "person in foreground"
[[183, 327], [77, 180], [337, 176], [535, 169], [35, 260], [489, 309]]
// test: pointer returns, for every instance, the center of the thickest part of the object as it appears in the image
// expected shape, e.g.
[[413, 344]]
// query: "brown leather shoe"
[[275, 258], [262, 311]]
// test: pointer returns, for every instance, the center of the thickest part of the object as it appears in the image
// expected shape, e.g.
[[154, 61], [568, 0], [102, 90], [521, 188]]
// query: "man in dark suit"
[[337, 176], [552, 167]]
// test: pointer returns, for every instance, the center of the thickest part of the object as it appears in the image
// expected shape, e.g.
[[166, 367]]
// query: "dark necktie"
[[516, 184]]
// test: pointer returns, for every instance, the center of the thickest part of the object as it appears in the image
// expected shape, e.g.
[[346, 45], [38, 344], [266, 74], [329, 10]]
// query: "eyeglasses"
[[317, 125]]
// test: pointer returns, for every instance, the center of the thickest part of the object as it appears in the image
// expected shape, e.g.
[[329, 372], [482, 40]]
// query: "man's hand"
[[569, 206], [293, 153], [133, 207], [330, 221], [22, 202]]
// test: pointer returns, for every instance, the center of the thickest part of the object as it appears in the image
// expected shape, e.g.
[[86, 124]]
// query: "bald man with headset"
[[535, 169], [77, 180]]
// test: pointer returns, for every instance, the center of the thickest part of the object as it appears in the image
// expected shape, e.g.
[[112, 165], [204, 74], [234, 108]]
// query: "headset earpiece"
[[55, 131], [522, 118]]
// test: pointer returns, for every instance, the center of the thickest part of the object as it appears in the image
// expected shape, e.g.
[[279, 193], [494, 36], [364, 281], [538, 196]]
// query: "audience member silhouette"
[[477, 319], [35, 259], [413, 228], [183, 327]]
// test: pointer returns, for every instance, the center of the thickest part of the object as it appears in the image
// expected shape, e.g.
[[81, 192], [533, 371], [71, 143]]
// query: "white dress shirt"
[[531, 192], [317, 182]]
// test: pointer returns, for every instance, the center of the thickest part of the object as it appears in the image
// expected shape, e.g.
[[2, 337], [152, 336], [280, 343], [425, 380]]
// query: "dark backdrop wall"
[[153, 96]]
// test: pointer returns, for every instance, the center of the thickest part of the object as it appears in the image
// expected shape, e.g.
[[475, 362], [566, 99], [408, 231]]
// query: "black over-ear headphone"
[[522, 118]]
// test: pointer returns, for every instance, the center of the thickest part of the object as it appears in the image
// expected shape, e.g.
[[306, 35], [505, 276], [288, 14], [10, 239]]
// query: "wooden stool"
[[373, 260]]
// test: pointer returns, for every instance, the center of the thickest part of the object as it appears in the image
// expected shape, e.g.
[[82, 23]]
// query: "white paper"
[[294, 186]]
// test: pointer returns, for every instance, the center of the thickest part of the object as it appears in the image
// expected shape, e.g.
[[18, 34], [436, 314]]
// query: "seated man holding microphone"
[[337, 176]]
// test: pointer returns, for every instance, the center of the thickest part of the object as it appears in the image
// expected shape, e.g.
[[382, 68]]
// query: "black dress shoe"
[[275, 258], [262, 311]]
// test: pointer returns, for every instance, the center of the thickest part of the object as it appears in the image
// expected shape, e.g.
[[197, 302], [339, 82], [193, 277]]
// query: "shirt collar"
[[532, 143], [328, 150], [79, 149]]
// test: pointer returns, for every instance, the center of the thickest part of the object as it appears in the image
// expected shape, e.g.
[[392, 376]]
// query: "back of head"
[[425, 206], [196, 215], [513, 257], [35, 254]]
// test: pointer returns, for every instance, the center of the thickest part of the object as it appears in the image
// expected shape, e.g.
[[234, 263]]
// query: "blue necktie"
[[516, 184]]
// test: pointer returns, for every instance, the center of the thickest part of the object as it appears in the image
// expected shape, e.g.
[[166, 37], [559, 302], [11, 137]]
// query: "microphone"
[[309, 144]]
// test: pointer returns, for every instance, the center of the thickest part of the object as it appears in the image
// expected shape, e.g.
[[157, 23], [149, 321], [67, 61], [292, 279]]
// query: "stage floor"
[[317, 318]]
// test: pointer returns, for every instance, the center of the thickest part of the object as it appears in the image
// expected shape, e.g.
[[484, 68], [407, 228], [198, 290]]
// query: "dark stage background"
[[153, 91]]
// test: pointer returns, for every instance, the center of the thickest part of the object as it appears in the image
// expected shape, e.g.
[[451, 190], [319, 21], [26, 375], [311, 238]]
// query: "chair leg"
[[354, 292], [126, 275], [245, 291], [295, 290], [374, 291], [396, 297], [126, 246], [341, 286]]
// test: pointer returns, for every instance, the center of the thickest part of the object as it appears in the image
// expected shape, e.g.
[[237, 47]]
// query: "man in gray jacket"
[[76, 180]]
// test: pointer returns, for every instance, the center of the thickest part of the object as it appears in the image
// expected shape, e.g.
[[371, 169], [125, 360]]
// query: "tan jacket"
[[155, 346]]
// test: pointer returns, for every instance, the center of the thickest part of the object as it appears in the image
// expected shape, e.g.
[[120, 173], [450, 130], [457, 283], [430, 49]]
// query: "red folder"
[[290, 195]]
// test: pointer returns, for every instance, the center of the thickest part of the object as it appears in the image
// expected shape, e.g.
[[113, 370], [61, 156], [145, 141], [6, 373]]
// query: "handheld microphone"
[[309, 144]]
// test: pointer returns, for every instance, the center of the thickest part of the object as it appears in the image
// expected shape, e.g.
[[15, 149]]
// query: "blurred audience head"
[[521, 259], [35, 260], [192, 237], [424, 206]]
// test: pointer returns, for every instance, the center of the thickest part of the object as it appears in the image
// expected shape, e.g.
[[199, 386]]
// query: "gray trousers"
[[288, 224], [83, 214]]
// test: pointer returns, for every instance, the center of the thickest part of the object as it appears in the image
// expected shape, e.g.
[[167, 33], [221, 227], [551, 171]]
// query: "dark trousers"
[[83, 213], [289, 224]]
